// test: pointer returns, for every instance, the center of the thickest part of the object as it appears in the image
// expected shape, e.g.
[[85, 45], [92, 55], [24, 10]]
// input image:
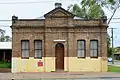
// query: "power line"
[[5, 20], [5, 25], [33, 2], [115, 18], [11, 20], [114, 22], [24, 2]]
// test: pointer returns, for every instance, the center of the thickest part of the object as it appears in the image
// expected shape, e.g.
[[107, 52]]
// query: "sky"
[[31, 9]]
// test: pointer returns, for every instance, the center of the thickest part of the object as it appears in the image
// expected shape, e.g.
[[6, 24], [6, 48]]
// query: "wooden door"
[[59, 52]]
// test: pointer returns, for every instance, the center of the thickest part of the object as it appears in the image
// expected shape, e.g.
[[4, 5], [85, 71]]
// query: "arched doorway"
[[59, 54]]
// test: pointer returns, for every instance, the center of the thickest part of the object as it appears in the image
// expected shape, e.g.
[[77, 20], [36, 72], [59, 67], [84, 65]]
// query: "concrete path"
[[115, 63], [56, 75]]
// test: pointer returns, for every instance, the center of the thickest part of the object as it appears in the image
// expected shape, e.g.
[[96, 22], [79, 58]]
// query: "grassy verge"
[[116, 60], [113, 69], [5, 64]]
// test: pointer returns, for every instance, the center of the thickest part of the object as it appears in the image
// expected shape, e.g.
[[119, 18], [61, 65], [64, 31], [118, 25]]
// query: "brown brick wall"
[[52, 29], [71, 36]]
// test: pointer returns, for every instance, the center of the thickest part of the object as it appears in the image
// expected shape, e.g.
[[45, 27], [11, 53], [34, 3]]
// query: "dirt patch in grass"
[[5, 70]]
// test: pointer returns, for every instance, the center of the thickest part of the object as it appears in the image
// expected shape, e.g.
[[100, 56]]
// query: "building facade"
[[59, 42]]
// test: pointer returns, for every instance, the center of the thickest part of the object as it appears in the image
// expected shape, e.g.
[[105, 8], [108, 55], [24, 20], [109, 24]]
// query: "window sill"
[[37, 57], [24, 57], [81, 57], [93, 57]]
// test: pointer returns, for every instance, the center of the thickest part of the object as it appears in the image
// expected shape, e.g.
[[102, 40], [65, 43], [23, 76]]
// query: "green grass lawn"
[[5, 64], [113, 69]]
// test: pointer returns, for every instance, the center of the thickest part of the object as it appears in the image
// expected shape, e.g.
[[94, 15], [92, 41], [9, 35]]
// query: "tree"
[[76, 10], [88, 9], [92, 9], [111, 5], [3, 37], [109, 49], [2, 32]]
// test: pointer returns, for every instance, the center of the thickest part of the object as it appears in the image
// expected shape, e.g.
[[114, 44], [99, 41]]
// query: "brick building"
[[59, 42]]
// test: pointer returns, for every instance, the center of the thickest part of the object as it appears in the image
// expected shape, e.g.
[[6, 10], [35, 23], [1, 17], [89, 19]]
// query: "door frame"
[[61, 55]]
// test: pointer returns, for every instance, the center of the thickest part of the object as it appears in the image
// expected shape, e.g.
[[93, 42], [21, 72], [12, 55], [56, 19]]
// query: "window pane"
[[94, 48], [38, 44], [81, 53], [38, 53], [25, 53], [93, 53], [25, 48], [38, 48], [81, 44], [25, 44], [93, 44], [81, 48]]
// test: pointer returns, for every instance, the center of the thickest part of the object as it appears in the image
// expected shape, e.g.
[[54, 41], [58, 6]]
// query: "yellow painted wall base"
[[87, 65], [71, 64], [31, 65]]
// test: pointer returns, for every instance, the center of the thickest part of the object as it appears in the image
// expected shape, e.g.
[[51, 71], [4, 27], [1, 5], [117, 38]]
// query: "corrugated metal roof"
[[41, 17], [5, 45], [78, 18]]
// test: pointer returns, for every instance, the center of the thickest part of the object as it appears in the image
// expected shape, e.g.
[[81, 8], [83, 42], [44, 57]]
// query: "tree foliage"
[[92, 9], [3, 37], [111, 5], [88, 9]]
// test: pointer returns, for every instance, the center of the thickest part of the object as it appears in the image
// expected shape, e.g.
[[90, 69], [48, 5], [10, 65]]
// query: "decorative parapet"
[[57, 22], [28, 23], [89, 23]]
